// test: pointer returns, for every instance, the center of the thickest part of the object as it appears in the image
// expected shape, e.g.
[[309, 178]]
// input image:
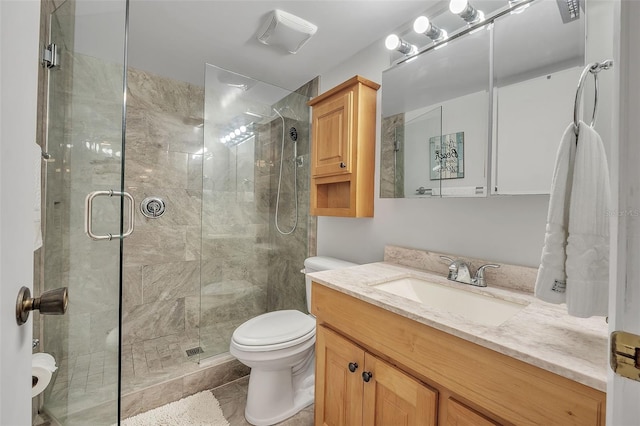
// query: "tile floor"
[[233, 397], [90, 380]]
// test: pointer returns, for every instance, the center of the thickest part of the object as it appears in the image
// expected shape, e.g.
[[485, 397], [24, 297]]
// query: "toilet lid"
[[273, 328]]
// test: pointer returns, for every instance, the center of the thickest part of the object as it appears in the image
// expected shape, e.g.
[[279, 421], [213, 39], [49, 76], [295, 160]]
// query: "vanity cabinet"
[[450, 381], [357, 388], [343, 149]]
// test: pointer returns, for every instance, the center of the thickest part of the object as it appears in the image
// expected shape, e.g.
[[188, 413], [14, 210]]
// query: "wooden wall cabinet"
[[343, 149], [357, 388], [425, 376]]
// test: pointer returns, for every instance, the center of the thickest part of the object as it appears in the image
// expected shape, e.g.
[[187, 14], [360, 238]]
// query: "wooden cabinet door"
[[338, 390], [332, 131], [457, 414], [391, 397]]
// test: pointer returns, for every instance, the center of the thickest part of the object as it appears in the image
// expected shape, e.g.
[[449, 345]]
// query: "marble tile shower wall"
[[392, 157], [161, 279], [213, 259], [286, 287], [234, 229]]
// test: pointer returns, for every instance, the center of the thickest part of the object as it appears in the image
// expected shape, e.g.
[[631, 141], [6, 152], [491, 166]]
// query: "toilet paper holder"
[[52, 302]]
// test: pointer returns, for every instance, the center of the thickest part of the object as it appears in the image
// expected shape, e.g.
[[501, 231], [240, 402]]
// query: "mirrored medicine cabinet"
[[483, 113]]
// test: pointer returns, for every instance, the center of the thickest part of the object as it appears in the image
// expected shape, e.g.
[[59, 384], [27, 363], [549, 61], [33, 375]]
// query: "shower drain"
[[194, 351]]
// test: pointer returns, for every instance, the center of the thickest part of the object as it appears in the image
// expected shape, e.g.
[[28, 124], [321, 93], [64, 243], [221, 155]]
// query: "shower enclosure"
[[150, 316], [251, 129], [84, 153]]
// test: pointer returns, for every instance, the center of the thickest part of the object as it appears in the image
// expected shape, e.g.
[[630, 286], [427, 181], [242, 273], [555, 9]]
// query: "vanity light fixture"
[[467, 12], [393, 42], [422, 25]]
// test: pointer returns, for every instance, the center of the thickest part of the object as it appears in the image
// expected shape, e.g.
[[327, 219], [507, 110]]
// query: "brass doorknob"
[[52, 302]]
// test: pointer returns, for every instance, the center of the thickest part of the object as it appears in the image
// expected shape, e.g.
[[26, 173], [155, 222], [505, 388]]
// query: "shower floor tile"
[[90, 380]]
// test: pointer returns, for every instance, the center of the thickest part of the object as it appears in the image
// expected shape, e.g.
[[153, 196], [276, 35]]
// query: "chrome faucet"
[[459, 272]]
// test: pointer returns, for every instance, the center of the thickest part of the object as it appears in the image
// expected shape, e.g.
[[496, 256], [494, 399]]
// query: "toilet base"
[[276, 395]]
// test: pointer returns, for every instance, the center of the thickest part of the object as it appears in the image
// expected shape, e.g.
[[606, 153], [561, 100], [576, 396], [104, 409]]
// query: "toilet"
[[279, 348]]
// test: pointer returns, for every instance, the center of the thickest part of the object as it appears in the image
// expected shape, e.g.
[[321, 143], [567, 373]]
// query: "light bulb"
[[458, 6], [421, 24], [467, 12], [237, 132], [232, 135], [243, 129], [392, 42]]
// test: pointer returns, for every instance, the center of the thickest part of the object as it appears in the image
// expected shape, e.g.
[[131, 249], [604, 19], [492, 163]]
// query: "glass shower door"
[[255, 203], [85, 150]]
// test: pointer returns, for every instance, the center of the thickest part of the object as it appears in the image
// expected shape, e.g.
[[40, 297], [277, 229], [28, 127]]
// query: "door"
[[339, 367], [332, 130], [19, 155], [623, 394], [84, 145], [391, 397]]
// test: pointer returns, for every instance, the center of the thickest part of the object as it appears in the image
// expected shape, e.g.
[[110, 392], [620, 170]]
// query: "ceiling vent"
[[286, 30]]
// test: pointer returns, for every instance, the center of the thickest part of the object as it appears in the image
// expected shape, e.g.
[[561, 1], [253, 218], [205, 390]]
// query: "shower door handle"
[[88, 214]]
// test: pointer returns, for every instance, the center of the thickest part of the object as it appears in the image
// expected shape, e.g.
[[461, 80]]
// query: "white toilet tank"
[[321, 263]]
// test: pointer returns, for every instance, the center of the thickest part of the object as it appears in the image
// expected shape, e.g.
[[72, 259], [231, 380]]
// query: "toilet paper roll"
[[41, 378], [44, 360]]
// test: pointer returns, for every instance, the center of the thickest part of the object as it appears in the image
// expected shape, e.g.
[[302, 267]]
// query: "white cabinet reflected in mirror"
[[438, 115], [537, 64]]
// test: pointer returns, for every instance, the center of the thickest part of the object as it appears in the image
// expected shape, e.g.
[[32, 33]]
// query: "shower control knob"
[[353, 366], [366, 376], [153, 207], [342, 165]]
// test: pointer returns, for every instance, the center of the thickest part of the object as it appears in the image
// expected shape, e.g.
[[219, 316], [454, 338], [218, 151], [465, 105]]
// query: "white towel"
[[575, 259], [552, 279], [588, 243]]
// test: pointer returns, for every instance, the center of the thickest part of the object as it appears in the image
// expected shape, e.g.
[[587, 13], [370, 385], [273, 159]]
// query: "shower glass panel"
[[248, 267], [84, 127]]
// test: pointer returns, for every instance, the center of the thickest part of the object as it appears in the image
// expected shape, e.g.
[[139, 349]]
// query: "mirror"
[[439, 112], [537, 64], [451, 128]]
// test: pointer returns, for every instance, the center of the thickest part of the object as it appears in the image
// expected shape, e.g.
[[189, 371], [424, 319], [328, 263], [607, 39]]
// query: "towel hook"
[[593, 68]]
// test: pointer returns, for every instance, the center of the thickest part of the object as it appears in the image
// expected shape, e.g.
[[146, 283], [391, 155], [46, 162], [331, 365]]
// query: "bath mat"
[[201, 409]]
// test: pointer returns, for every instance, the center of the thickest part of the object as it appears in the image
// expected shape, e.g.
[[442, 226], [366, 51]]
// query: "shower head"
[[570, 9]]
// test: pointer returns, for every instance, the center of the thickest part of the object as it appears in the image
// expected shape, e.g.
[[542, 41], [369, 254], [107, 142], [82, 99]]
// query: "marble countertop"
[[541, 334]]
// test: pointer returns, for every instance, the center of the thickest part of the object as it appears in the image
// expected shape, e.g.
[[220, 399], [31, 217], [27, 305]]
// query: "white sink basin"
[[476, 307]]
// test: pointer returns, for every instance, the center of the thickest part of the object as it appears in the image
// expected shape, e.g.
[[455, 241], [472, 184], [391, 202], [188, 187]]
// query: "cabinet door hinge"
[[625, 354], [50, 57]]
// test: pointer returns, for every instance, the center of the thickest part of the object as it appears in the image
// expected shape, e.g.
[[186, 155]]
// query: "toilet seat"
[[273, 331]]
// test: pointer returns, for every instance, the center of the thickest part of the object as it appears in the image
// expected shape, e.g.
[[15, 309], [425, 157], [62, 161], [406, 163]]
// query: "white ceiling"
[[176, 38]]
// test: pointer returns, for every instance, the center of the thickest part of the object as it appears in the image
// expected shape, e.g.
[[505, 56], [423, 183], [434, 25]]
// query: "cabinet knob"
[[353, 366], [366, 376], [342, 165]]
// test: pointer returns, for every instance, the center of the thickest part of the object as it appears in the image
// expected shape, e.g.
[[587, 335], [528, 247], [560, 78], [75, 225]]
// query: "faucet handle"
[[447, 258], [479, 279], [453, 267]]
